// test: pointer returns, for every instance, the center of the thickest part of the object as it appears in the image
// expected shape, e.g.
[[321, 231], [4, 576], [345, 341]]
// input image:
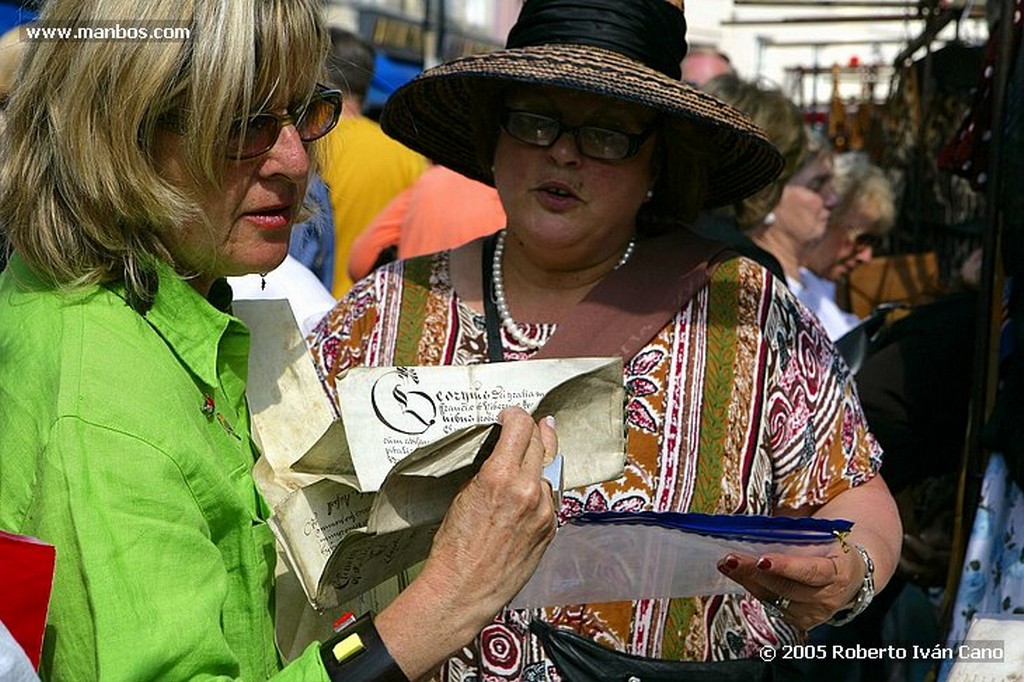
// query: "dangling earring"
[[263, 281]]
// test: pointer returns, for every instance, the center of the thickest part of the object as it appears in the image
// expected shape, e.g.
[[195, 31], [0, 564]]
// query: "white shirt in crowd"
[[309, 298], [819, 295]]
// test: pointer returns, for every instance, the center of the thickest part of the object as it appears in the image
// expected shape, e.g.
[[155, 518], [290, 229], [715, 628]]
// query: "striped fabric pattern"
[[739, 405]]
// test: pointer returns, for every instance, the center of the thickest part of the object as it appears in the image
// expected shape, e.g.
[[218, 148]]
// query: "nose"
[[565, 149], [829, 195], [288, 157]]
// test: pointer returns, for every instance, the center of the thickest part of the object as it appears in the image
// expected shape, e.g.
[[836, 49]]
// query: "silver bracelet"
[[864, 595]]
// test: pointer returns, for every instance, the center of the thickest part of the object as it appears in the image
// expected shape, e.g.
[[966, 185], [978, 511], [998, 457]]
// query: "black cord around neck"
[[495, 350]]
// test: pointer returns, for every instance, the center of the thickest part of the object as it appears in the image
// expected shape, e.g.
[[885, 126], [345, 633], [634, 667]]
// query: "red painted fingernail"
[[732, 562], [764, 563], [724, 568]]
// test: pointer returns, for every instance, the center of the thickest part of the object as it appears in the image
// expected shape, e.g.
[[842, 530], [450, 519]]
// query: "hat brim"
[[432, 113]]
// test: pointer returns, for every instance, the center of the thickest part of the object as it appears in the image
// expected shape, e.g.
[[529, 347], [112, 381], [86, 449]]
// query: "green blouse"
[[125, 442]]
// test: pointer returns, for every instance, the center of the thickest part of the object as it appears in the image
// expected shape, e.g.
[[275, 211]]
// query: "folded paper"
[[358, 496]]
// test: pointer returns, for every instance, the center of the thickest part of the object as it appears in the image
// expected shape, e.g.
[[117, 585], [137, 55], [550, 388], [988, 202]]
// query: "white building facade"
[[793, 46]]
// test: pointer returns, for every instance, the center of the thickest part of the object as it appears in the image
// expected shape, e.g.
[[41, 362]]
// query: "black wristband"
[[357, 654]]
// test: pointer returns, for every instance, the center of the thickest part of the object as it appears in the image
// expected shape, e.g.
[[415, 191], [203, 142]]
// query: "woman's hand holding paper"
[[488, 546]]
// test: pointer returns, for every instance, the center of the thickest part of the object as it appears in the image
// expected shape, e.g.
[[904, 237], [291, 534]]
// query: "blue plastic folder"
[[615, 556]]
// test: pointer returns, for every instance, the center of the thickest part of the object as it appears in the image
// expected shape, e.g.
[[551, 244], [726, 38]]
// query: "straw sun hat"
[[628, 50]]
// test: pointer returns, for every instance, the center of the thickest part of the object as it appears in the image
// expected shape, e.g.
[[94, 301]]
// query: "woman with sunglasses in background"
[[864, 213], [137, 175]]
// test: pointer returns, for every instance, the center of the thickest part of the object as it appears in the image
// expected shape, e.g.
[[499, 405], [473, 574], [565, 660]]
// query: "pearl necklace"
[[499, 291]]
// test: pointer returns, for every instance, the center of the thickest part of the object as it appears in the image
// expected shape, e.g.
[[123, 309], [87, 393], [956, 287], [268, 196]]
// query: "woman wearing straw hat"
[[125, 435], [737, 402]]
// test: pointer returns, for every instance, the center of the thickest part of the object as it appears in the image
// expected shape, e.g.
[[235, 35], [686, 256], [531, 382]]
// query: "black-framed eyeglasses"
[[597, 143], [256, 135]]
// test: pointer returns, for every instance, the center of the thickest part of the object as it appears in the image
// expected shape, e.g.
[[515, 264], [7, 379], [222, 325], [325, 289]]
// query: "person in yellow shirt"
[[363, 167]]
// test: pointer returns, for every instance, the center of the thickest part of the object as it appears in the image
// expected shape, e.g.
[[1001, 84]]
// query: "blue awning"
[[12, 14], [389, 74]]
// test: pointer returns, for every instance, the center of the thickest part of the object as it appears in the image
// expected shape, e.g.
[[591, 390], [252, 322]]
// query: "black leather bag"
[[579, 659]]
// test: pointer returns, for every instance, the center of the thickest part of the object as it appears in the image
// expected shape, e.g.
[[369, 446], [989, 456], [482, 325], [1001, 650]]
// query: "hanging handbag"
[[579, 659]]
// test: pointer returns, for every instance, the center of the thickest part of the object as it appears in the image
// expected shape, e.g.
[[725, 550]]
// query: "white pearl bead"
[[511, 328]]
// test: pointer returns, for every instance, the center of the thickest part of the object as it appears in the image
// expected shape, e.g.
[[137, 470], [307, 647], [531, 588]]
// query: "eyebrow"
[[597, 118]]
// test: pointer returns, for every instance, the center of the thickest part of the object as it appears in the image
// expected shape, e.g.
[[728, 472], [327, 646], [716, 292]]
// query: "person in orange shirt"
[[420, 220], [363, 168]]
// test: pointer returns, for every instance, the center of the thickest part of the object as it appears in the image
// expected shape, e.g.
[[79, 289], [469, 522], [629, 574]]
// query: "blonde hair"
[[782, 123], [80, 195], [858, 182], [11, 49]]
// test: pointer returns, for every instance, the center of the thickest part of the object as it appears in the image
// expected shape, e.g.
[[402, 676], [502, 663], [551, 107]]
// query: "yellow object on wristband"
[[348, 647]]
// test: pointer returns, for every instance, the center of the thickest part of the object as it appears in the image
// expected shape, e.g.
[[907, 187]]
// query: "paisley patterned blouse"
[[739, 405]]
